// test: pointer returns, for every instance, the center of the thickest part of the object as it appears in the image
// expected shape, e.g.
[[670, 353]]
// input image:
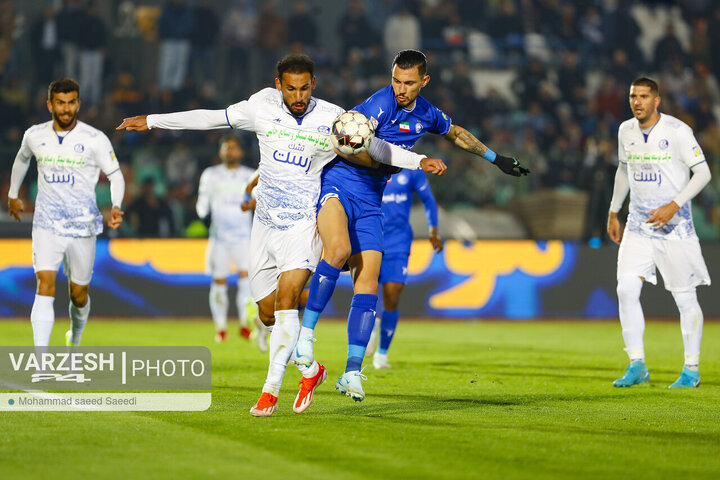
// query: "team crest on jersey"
[[696, 151], [663, 144], [402, 179], [374, 121], [324, 129], [418, 127], [79, 148]]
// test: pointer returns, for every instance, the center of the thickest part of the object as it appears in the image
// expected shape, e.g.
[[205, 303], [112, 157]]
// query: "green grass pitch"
[[463, 400]]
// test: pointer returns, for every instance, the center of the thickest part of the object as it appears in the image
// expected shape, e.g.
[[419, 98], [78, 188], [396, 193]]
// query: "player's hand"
[[661, 216], [511, 166], [435, 240], [115, 219], [134, 123], [249, 205], [433, 165], [15, 207], [614, 230]]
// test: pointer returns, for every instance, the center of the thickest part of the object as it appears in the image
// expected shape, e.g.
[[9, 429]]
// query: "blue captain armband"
[[490, 156]]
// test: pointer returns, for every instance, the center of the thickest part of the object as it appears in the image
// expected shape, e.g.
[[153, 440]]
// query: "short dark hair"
[[647, 82], [295, 63], [231, 137], [63, 85], [411, 58]]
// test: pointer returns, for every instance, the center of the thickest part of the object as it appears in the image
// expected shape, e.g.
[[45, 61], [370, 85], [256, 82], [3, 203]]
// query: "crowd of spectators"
[[546, 80]]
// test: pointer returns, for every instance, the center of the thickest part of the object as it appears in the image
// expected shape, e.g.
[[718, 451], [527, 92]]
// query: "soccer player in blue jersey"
[[350, 217], [396, 203]]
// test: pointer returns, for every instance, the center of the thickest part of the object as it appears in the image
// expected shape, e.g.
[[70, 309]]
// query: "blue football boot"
[[688, 379], [635, 374]]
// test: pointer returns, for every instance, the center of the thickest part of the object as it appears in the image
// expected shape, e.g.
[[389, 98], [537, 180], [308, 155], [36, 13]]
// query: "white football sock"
[[241, 299], [78, 319], [42, 318], [691, 325], [219, 305], [308, 371], [282, 343], [632, 318]]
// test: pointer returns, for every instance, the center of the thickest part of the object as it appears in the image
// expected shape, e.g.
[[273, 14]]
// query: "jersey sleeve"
[[441, 122], [422, 188], [242, 115], [105, 156], [690, 152], [622, 155], [202, 206], [20, 167]]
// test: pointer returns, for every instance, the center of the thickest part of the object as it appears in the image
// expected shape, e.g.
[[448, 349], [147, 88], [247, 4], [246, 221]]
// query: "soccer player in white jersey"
[[657, 152], [292, 129], [69, 155], [220, 195]]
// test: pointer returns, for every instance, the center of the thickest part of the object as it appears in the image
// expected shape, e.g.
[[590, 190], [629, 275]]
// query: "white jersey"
[[221, 194], [68, 170], [659, 166], [293, 152]]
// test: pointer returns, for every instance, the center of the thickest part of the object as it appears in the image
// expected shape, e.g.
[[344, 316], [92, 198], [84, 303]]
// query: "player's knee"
[[336, 254], [686, 301], [79, 297], [629, 288], [46, 286]]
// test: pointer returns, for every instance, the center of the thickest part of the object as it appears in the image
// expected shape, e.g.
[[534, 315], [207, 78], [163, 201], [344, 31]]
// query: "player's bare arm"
[[15, 208], [138, 123], [460, 137]]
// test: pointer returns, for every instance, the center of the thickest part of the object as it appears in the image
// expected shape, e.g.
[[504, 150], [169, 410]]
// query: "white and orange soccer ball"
[[352, 133]]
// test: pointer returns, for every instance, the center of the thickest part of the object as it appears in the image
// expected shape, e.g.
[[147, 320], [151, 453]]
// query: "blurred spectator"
[[45, 46], [239, 30], [203, 40], [402, 32], [127, 96], [70, 26], [668, 50], [181, 165], [303, 29], [91, 42], [622, 31], [149, 215], [272, 35], [176, 24], [354, 28], [610, 99]]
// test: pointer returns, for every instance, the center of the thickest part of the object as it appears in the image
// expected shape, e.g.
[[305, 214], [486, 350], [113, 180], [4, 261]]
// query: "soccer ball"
[[352, 133]]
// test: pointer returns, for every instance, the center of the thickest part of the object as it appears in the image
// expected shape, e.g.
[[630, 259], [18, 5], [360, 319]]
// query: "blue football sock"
[[387, 330], [361, 321], [321, 289]]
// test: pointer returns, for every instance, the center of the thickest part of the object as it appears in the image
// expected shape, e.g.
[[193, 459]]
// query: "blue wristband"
[[490, 155], [246, 197]]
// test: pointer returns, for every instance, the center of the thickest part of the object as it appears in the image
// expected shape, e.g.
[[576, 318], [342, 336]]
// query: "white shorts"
[[219, 254], [77, 254], [680, 262], [275, 251]]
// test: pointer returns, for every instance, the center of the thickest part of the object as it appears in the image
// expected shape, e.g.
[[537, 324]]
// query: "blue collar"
[[299, 120], [60, 139]]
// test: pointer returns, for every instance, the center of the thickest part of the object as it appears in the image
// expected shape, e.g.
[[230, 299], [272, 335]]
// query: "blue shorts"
[[365, 221], [394, 268]]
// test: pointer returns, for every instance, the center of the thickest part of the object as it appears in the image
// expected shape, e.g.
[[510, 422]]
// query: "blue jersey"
[[396, 203], [400, 126]]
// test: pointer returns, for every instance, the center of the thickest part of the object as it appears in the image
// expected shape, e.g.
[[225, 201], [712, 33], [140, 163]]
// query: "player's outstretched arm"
[[462, 138], [433, 165], [138, 124], [188, 120]]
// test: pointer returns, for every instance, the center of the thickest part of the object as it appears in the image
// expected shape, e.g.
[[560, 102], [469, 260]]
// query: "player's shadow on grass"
[[411, 404]]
